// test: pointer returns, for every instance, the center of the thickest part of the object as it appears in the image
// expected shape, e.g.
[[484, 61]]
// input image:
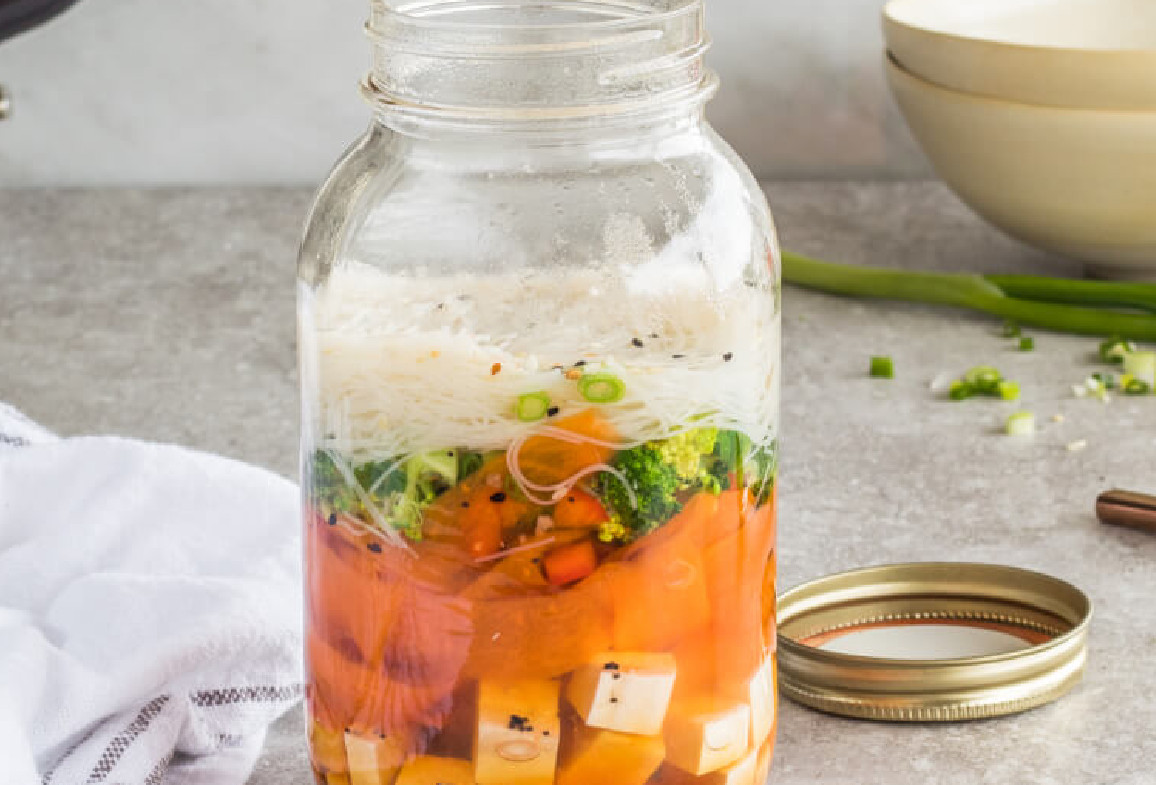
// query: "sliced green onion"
[[1141, 366], [1011, 329], [882, 368], [1107, 380], [1021, 424], [961, 391], [1137, 387], [985, 379], [1027, 344], [1115, 348], [601, 388], [532, 407], [1009, 391]]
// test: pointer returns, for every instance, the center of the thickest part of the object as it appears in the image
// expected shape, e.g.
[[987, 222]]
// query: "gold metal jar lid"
[[1048, 616]]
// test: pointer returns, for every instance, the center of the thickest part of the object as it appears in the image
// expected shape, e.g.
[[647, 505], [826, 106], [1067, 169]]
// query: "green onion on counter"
[[1058, 304], [882, 368]]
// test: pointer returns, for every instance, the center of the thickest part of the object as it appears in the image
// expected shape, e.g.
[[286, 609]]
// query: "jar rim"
[[437, 14]]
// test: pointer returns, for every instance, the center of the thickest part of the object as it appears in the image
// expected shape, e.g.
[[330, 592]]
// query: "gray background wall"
[[264, 91]]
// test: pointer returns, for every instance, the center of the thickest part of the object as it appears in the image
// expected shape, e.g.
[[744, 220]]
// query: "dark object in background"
[[1123, 508], [18, 16]]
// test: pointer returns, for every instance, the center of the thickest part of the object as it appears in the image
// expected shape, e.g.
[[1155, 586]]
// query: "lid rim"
[[933, 689]]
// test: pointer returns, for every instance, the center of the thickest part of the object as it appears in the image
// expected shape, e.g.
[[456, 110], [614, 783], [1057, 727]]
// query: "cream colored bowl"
[[1079, 182], [1098, 54]]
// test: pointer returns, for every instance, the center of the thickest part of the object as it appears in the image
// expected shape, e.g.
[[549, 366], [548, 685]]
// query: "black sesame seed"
[[498, 497], [677, 356], [332, 521], [614, 700], [637, 343], [654, 336], [579, 364], [552, 411], [571, 499], [545, 733], [375, 547], [465, 504], [610, 666], [728, 356]]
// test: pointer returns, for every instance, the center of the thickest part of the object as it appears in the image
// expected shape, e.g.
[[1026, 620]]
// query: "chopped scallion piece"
[[1021, 424], [1141, 366], [1137, 387], [961, 391], [1027, 344], [1009, 391], [601, 388], [882, 368], [532, 407], [1106, 379], [985, 379], [1011, 329], [1115, 348]]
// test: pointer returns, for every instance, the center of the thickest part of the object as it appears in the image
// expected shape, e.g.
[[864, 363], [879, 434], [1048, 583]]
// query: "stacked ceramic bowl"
[[1041, 115]]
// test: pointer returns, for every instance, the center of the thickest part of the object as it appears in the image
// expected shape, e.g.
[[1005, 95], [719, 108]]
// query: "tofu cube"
[[373, 760], [763, 767], [432, 770], [762, 696], [517, 734], [744, 772], [704, 736], [327, 748], [592, 756], [628, 692]]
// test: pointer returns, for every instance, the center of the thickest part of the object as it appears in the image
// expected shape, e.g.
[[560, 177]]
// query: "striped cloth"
[[149, 610]]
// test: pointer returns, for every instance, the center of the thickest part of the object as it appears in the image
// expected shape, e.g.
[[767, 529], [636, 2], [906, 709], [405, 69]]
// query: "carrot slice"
[[549, 460], [579, 510], [570, 563], [541, 636]]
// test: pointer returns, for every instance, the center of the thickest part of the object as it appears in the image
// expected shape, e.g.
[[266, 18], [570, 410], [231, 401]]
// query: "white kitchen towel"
[[150, 610]]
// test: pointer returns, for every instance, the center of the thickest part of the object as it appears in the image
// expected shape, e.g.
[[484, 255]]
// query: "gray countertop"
[[168, 315]]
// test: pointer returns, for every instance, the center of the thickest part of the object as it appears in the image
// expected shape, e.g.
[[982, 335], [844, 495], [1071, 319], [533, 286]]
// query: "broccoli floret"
[[654, 482], [400, 490], [685, 452]]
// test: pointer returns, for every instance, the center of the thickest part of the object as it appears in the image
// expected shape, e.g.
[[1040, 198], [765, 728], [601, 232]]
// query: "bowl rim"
[[892, 63], [889, 18]]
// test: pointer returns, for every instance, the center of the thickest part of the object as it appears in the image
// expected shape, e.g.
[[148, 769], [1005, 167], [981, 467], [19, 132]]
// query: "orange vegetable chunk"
[[570, 563], [579, 509], [541, 636], [548, 460], [591, 756]]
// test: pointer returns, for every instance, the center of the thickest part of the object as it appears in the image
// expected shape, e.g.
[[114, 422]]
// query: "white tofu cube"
[[625, 692], [432, 770], [744, 772], [373, 760], [516, 740], [704, 736], [762, 696]]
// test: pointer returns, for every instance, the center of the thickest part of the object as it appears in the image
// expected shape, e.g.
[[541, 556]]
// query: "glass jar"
[[539, 340]]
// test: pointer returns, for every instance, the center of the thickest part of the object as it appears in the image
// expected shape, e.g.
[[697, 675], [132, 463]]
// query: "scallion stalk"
[[1056, 303]]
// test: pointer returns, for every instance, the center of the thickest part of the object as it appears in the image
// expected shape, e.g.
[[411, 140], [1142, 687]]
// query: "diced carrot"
[[548, 460], [579, 510], [570, 563]]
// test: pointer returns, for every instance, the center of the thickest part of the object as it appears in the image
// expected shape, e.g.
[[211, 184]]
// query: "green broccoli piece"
[[685, 451], [654, 482]]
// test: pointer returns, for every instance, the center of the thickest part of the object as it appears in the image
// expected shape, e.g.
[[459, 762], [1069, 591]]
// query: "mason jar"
[[539, 343]]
